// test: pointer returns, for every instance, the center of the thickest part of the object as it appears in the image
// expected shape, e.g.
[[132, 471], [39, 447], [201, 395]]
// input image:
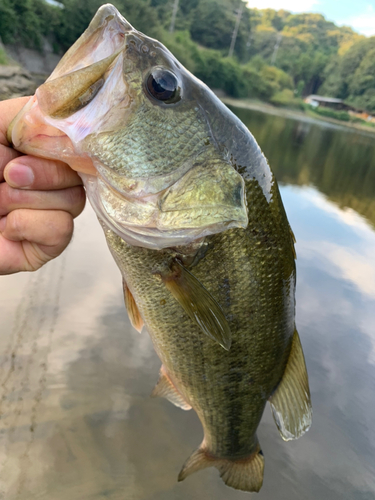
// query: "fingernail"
[[3, 223], [18, 175]]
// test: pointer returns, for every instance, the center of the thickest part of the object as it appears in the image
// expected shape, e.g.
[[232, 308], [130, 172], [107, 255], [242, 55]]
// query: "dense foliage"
[[277, 56], [352, 76]]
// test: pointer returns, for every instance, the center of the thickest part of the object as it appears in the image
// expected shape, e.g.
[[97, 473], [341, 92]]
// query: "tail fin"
[[245, 474]]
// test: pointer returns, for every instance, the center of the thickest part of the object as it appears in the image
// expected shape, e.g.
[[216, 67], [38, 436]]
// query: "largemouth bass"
[[193, 217]]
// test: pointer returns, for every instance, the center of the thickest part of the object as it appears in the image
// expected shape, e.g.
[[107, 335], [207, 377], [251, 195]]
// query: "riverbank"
[[295, 114], [16, 81]]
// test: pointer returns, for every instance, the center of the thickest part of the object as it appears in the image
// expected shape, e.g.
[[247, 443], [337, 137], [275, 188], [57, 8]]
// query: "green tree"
[[309, 54], [25, 21], [352, 76]]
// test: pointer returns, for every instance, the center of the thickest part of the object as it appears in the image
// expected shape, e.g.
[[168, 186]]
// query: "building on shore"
[[338, 105]]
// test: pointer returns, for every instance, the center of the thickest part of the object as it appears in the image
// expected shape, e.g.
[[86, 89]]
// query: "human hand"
[[38, 200]]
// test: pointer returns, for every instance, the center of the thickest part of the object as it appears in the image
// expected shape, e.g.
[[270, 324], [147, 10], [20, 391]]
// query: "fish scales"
[[193, 217], [227, 390], [143, 153]]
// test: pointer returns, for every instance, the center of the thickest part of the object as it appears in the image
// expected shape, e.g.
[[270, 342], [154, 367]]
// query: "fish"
[[193, 217]]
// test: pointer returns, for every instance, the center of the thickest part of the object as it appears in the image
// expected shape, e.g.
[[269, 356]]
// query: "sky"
[[358, 14]]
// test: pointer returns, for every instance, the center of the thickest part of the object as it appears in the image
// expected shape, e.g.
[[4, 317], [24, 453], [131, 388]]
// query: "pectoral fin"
[[199, 304], [290, 403], [165, 389], [131, 307]]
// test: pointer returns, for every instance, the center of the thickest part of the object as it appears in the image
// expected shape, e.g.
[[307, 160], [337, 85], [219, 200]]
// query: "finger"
[[8, 110], [6, 155], [29, 172], [71, 200], [30, 238], [48, 227]]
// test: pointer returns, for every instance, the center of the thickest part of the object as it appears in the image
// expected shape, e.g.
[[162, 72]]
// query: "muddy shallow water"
[[77, 421]]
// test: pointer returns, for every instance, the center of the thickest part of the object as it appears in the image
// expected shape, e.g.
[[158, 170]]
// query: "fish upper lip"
[[97, 42]]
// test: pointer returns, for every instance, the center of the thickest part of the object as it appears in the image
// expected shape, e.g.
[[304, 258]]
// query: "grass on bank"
[[3, 57]]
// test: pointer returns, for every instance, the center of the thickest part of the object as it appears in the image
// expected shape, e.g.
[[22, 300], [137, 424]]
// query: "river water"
[[77, 421]]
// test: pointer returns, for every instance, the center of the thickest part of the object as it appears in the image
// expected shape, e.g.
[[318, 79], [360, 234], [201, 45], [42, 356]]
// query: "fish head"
[[137, 126]]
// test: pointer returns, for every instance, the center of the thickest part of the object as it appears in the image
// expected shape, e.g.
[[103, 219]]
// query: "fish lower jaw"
[[149, 237], [143, 233]]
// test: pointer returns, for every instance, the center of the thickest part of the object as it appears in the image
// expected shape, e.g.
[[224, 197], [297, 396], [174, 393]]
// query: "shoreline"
[[295, 114]]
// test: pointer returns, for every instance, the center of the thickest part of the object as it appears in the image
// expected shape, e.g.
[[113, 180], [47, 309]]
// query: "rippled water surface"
[[77, 422]]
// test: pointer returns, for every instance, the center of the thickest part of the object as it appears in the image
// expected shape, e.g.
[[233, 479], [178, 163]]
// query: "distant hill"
[[277, 55]]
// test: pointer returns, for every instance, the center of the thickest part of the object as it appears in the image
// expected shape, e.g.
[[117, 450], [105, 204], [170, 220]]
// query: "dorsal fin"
[[166, 389], [290, 403], [245, 474], [132, 308], [198, 303]]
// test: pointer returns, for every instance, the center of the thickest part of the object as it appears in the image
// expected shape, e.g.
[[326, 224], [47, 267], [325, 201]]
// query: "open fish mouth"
[[103, 110], [65, 109]]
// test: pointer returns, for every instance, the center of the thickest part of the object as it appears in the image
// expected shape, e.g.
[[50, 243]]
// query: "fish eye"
[[163, 86]]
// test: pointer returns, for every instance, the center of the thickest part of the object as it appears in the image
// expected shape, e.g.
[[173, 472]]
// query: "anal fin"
[[290, 403], [132, 308], [199, 304], [244, 474], [165, 389]]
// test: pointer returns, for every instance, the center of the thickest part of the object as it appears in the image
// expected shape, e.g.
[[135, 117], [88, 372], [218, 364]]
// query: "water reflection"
[[76, 418], [340, 163]]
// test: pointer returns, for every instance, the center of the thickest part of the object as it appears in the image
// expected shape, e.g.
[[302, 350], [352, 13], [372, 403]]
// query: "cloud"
[[364, 22], [352, 262], [346, 215], [335, 267], [292, 5], [343, 264]]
